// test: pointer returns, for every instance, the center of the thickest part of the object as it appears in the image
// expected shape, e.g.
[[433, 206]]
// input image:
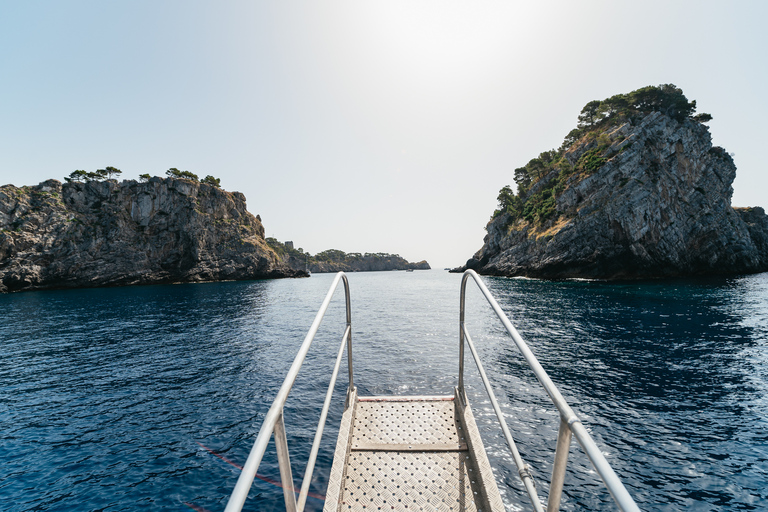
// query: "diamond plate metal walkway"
[[410, 453]]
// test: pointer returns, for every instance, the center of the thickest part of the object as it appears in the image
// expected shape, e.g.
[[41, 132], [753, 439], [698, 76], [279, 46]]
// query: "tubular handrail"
[[569, 422], [273, 421]]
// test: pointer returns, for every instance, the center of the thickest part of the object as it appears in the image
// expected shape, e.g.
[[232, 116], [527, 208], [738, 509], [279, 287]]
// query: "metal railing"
[[273, 422], [570, 425], [569, 422]]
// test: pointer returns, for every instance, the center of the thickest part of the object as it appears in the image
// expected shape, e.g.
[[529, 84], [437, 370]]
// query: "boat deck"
[[410, 453], [416, 452]]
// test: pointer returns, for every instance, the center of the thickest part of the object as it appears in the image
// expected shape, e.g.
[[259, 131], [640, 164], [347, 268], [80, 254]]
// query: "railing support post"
[[284, 461], [349, 338], [461, 339], [558, 469]]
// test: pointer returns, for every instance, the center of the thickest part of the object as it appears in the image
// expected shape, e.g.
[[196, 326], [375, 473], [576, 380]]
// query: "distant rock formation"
[[638, 195], [368, 263], [334, 260], [105, 233]]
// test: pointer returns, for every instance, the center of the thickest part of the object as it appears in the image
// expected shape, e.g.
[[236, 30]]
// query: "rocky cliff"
[[105, 233], [645, 195]]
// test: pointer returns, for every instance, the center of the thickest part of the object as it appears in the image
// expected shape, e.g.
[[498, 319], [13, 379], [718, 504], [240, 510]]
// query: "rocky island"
[[109, 233], [636, 191], [334, 260]]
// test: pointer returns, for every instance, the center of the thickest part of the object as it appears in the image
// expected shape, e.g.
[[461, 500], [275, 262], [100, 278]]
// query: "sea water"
[[150, 397]]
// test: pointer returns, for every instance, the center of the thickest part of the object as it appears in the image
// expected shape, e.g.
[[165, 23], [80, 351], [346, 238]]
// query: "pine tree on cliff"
[[538, 206]]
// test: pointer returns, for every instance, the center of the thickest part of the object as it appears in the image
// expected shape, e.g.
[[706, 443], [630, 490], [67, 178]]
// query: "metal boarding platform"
[[416, 452]]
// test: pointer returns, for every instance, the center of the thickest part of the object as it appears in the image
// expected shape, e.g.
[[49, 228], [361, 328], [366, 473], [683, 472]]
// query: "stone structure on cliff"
[[105, 233], [643, 195]]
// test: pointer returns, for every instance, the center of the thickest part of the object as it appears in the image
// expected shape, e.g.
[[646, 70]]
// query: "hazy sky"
[[362, 126]]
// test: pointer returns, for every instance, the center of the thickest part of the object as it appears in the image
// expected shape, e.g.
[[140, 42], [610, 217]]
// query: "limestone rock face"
[[105, 233], [659, 206]]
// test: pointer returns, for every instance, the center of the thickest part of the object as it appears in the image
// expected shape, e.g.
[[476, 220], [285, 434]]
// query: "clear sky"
[[384, 126]]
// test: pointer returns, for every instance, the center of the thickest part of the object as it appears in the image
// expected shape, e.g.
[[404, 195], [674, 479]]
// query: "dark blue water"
[[105, 394]]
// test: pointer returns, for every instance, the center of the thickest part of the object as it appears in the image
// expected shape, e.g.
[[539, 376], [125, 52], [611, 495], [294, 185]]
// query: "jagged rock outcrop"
[[105, 233], [656, 202]]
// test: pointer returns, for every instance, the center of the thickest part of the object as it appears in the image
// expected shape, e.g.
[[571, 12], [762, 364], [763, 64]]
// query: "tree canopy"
[[666, 98], [100, 174], [78, 175], [210, 180], [111, 172], [185, 175], [536, 203]]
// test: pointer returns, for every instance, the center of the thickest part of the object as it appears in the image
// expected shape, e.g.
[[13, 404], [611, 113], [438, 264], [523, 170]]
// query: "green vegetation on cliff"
[[334, 259], [108, 173], [328, 256], [544, 178], [80, 175]]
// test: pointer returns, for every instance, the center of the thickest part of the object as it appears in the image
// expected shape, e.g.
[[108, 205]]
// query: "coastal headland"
[[636, 191], [91, 232], [334, 260], [110, 233]]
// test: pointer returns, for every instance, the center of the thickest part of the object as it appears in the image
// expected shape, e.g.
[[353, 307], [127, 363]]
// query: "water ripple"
[[108, 395]]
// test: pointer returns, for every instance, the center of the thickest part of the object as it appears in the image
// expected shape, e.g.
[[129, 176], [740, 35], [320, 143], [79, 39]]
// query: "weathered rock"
[[659, 206], [105, 233]]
